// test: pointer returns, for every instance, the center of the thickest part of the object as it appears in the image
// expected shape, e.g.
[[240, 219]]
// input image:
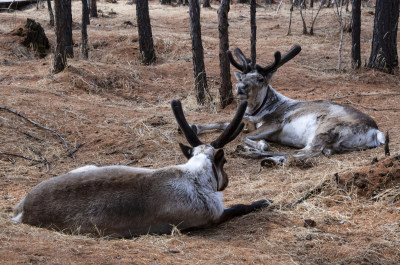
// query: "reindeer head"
[[212, 151], [253, 77]]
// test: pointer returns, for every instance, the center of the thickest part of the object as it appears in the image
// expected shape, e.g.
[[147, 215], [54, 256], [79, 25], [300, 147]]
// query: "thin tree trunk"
[[305, 32], [93, 8], [312, 25], [341, 35], [63, 29], [384, 55], [200, 81], [145, 34], [253, 26], [206, 3], [355, 35], [290, 18], [85, 15], [50, 13], [279, 6], [225, 90]]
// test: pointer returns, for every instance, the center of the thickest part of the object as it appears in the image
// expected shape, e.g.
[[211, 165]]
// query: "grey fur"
[[313, 126], [127, 201]]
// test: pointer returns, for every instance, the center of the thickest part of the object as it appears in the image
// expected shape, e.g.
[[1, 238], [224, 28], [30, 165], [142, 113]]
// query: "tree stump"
[[34, 37]]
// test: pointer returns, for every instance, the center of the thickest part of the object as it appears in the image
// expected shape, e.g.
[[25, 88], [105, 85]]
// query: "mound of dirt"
[[377, 178]]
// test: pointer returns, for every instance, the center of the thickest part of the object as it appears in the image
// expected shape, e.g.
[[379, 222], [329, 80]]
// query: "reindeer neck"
[[269, 101]]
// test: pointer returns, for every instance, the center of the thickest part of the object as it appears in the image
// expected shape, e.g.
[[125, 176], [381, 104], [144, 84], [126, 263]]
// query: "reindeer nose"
[[241, 89]]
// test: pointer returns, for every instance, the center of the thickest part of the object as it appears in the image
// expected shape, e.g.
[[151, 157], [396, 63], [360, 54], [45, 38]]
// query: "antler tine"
[[233, 62], [290, 55], [245, 62], [272, 67], [282, 60], [233, 128], [191, 137]]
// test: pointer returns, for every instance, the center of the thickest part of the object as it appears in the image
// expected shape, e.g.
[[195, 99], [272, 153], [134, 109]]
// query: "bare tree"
[[253, 28], [200, 81], [355, 34], [341, 34], [384, 55], [93, 8], [63, 30], [50, 13], [225, 90], [144, 30], [206, 3], [85, 16]]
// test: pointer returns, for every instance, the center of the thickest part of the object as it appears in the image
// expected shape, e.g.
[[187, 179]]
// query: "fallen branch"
[[44, 160], [366, 107], [42, 127], [20, 156], [314, 191]]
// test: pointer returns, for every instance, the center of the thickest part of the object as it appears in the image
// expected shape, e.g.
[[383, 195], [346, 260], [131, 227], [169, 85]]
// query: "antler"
[[290, 55], [228, 135], [245, 63], [191, 137], [279, 61], [233, 129]]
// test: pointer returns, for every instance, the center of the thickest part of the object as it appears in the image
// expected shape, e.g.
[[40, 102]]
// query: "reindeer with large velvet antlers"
[[128, 201], [316, 127]]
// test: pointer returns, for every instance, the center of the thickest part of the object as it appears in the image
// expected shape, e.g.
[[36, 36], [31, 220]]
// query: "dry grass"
[[120, 110]]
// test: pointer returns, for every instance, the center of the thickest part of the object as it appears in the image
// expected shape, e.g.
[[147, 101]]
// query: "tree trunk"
[[305, 32], [384, 55], [206, 3], [225, 90], [253, 27], [50, 13], [85, 16], [290, 19], [200, 81], [145, 34], [88, 12], [355, 35], [93, 8], [63, 30]]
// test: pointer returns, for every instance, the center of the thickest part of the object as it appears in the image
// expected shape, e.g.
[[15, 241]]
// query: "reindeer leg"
[[242, 209], [256, 139], [256, 154], [208, 127]]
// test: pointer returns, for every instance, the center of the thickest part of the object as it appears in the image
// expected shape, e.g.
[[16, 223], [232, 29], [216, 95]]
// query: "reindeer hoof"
[[263, 146], [273, 161], [262, 203]]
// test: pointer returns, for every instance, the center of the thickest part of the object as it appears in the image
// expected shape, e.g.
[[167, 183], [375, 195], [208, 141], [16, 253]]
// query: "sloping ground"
[[113, 110]]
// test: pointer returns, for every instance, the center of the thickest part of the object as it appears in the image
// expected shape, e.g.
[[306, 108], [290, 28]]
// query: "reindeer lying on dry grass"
[[128, 201], [314, 126]]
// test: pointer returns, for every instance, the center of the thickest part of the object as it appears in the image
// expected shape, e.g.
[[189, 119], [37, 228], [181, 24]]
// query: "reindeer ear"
[[238, 76], [219, 157], [186, 150]]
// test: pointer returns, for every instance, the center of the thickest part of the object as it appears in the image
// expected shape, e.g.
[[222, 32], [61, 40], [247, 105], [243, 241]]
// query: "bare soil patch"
[[113, 110]]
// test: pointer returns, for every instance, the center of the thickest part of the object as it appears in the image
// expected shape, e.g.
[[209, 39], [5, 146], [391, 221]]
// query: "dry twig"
[[20, 156], [366, 107], [42, 127], [311, 192]]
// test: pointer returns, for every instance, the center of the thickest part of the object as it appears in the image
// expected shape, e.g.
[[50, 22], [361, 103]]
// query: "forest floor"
[[113, 110]]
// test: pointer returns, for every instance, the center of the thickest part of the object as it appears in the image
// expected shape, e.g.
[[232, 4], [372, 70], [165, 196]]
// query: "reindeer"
[[316, 127], [127, 201]]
